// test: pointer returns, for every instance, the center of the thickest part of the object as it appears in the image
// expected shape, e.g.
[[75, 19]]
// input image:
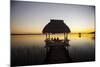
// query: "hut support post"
[[64, 35], [46, 36], [49, 35]]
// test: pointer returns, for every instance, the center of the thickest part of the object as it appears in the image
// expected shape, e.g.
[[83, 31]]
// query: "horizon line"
[[42, 33]]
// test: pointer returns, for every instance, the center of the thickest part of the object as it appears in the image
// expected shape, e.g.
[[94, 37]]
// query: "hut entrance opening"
[[60, 36], [57, 39]]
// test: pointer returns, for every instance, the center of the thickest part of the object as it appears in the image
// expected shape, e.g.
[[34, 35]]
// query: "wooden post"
[[46, 36], [49, 35], [64, 35], [79, 34]]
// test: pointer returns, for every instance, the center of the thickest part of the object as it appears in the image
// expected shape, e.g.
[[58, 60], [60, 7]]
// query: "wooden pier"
[[57, 49]]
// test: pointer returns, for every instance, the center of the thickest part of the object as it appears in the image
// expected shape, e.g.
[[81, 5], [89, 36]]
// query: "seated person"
[[57, 39]]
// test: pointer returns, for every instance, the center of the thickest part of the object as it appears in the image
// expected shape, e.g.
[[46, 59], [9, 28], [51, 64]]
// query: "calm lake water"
[[81, 49]]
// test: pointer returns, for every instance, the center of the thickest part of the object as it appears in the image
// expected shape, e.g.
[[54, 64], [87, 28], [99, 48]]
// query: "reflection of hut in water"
[[56, 48]]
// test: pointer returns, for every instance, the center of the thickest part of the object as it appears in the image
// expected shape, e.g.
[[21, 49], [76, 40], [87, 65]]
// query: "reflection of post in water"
[[56, 48]]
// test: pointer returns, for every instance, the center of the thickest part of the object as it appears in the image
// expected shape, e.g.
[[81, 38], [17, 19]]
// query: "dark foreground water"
[[30, 49]]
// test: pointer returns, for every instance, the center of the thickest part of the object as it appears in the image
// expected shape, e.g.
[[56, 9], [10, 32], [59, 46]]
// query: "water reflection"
[[29, 49]]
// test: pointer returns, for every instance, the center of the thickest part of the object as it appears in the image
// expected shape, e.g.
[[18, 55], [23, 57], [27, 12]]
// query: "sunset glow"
[[30, 18]]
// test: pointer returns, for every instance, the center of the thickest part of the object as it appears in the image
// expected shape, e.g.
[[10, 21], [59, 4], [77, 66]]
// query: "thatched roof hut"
[[54, 45], [56, 26]]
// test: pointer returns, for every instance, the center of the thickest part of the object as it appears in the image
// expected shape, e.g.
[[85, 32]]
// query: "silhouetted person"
[[54, 39], [57, 39]]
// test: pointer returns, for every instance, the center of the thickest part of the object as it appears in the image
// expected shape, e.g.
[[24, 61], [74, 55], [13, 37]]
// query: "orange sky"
[[31, 17]]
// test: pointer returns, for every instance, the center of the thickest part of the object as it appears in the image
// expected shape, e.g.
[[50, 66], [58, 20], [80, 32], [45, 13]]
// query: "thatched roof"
[[56, 26]]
